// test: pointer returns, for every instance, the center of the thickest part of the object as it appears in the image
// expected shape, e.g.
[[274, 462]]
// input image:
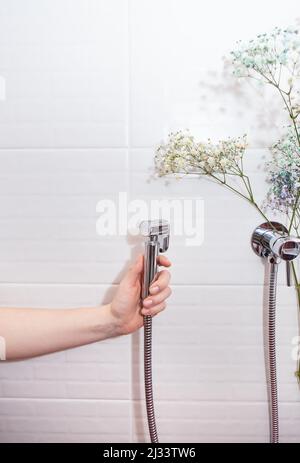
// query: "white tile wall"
[[91, 87]]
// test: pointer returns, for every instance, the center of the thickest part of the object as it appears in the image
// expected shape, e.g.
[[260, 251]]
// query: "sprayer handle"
[[150, 266]]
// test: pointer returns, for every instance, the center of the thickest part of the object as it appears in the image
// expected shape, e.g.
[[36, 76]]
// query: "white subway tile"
[[34, 420], [66, 87]]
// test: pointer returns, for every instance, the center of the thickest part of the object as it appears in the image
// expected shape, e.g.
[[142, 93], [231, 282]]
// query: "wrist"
[[112, 323]]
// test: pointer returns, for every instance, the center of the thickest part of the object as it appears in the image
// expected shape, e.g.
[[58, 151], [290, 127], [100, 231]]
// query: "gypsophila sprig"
[[284, 174], [222, 161], [182, 154], [270, 57], [275, 59]]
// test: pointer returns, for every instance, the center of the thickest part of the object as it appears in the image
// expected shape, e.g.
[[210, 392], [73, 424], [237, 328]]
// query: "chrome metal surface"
[[272, 238], [157, 230]]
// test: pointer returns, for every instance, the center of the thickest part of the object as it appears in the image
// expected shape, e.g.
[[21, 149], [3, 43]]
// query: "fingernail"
[[148, 302], [154, 289]]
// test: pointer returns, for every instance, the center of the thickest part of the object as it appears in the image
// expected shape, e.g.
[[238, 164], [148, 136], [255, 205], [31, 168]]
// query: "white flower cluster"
[[183, 155], [268, 52]]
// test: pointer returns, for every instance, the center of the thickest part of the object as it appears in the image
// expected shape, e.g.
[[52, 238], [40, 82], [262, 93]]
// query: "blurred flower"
[[272, 57], [284, 173]]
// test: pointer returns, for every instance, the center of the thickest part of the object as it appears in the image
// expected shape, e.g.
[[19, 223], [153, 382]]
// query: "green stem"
[[294, 210], [289, 107], [246, 182], [261, 213], [249, 199]]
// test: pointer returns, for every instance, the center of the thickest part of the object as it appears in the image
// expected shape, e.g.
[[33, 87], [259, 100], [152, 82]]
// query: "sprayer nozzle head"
[[157, 230], [154, 227]]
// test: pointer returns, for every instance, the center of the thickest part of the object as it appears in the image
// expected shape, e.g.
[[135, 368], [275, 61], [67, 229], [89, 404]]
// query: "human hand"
[[127, 308]]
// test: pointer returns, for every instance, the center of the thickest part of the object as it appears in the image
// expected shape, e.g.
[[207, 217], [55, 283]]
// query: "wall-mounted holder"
[[272, 241]]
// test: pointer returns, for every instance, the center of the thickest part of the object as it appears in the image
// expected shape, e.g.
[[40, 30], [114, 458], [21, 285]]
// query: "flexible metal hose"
[[148, 378], [272, 353]]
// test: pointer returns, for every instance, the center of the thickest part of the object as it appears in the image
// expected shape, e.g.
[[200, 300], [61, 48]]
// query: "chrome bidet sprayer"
[[157, 234], [271, 240]]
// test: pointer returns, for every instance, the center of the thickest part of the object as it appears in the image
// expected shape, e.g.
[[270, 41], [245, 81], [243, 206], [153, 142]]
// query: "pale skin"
[[32, 332]]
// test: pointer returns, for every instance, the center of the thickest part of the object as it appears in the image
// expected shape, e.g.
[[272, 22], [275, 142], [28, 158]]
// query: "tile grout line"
[[174, 285], [86, 148]]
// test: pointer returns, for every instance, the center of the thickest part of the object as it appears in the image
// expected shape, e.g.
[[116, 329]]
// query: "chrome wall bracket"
[[272, 240]]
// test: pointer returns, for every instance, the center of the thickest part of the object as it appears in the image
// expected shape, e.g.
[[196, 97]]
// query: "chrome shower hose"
[[272, 353], [148, 378]]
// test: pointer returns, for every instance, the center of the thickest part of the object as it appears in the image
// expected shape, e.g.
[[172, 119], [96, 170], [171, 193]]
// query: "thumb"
[[135, 271]]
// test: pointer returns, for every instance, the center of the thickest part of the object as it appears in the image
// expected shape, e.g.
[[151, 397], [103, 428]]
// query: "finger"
[[163, 261], [154, 310], [160, 282], [135, 270], [151, 301]]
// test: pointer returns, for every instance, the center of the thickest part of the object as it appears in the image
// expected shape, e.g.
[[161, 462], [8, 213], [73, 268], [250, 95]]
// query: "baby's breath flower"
[[183, 154], [284, 173], [266, 55], [272, 58]]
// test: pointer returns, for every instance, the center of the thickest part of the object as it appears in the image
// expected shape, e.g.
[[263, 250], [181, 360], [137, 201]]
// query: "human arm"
[[32, 332]]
